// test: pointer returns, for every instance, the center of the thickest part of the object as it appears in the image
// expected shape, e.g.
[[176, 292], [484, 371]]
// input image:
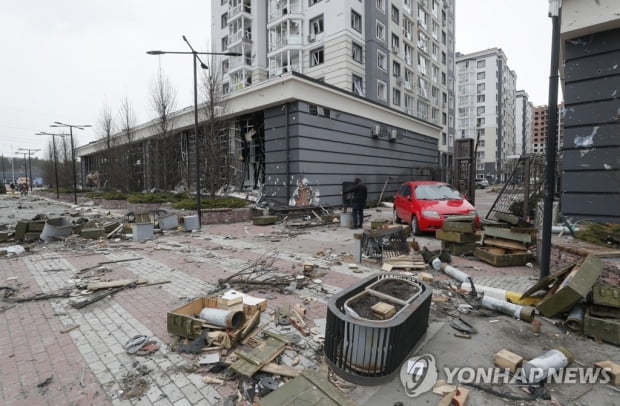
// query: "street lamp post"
[[195, 58], [55, 157], [71, 127], [29, 163], [25, 164]]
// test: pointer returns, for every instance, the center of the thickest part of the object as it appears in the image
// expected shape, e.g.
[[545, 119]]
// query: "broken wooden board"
[[249, 363], [507, 217], [309, 388], [584, 248], [525, 238], [502, 243], [111, 284]]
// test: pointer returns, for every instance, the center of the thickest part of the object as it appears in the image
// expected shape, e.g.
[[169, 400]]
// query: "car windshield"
[[436, 192]]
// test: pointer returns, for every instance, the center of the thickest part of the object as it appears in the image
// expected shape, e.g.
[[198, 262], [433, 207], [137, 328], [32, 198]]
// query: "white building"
[[485, 106], [523, 123], [397, 53]]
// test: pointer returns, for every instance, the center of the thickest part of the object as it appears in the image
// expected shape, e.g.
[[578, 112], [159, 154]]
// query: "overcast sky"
[[62, 60]]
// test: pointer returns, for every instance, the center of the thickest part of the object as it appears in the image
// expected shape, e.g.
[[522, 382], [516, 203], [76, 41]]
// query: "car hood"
[[460, 206]]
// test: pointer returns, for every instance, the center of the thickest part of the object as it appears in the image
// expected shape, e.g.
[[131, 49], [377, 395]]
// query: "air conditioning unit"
[[376, 131], [393, 134], [311, 37]]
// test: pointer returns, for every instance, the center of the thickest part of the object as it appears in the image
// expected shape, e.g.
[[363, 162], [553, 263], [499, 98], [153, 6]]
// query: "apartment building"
[[399, 54], [523, 123], [485, 109], [590, 47], [539, 129]]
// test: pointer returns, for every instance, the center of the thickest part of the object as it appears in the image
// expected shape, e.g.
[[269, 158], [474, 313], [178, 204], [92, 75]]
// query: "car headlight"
[[430, 213], [473, 212]]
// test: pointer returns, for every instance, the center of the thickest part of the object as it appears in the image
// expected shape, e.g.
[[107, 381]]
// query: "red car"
[[426, 204]]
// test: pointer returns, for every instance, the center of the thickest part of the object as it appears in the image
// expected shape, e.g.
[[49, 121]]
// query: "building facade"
[[590, 50], [485, 109], [398, 53], [523, 123]]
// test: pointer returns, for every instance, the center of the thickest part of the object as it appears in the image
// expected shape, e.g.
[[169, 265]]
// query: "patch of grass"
[[211, 203], [160, 197], [607, 235]]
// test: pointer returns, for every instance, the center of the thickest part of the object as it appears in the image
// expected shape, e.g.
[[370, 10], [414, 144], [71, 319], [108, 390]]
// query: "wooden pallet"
[[584, 248]]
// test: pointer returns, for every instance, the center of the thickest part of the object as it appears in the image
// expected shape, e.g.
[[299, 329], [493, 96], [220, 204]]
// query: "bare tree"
[[108, 169], [163, 148], [132, 163], [219, 136]]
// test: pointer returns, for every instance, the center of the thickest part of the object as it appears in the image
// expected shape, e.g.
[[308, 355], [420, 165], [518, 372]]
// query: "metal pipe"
[[574, 321], [525, 313], [552, 130]]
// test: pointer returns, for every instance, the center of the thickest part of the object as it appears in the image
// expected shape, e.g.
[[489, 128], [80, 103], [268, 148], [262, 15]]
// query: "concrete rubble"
[[238, 313]]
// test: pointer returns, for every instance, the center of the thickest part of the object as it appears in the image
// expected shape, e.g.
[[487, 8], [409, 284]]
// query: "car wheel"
[[396, 218], [415, 227]]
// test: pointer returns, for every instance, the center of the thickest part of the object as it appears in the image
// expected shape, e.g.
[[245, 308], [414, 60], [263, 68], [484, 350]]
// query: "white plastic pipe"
[[450, 270]]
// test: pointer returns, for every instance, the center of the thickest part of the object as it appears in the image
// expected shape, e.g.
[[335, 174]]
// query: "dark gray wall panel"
[[329, 151], [592, 67], [593, 158], [593, 90], [593, 205], [597, 136], [597, 181], [600, 42], [592, 113]]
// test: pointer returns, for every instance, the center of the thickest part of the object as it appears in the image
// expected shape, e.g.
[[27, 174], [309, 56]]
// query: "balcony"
[[241, 8], [245, 35], [280, 8]]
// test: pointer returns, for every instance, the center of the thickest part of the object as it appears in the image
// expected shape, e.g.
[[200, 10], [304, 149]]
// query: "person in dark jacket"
[[358, 202]]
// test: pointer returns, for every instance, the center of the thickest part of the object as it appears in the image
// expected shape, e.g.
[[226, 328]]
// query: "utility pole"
[[29, 163], [71, 127]]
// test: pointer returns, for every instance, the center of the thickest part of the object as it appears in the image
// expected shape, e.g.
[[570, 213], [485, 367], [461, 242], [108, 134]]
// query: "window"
[[225, 88], [421, 64], [224, 22], [381, 90], [381, 60], [480, 76], [396, 69], [422, 110], [422, 87], [481, 63], [224, 43], [316, 25], [381, 5], [357, 85], [313, 2], [395, 43], [443, 78], [356, 21], [480, 98], [380, 32], [444, 138], [480, 110], [316, 57], [356, 52], [481, 142], [396, 97], [225, 65], [422, 41], [408, 28], [395, 14], [480, 122], [408, 54], [480, 87]]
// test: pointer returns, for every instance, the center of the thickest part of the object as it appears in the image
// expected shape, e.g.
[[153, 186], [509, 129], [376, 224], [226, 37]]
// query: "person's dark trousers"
[[358, 216]]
